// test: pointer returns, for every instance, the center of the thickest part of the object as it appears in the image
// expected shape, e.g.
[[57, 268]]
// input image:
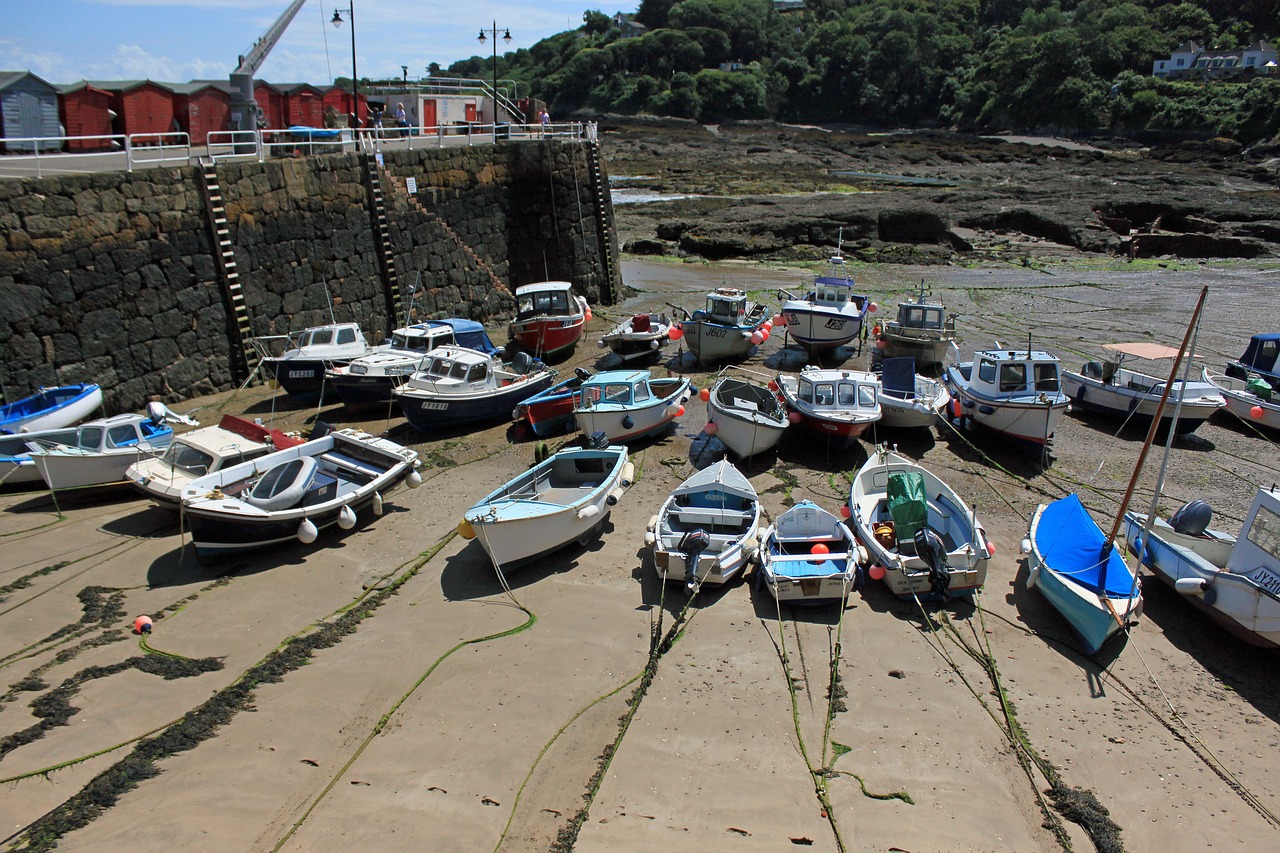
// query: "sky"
[[63, 41]]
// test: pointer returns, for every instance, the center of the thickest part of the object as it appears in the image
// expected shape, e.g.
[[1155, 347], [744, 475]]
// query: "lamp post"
[[336, 20], [506, 37]]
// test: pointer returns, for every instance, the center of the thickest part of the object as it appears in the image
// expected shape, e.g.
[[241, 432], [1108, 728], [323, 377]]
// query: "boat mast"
[[1146, 445]]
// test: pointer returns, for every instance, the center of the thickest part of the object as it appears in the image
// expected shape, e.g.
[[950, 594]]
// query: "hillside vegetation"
[[1026, 65]]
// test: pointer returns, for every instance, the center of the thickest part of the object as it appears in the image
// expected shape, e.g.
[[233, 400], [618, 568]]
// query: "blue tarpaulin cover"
[[1070, 542]]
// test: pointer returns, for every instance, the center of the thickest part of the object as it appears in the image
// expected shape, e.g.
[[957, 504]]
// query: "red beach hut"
[[271, 104], [202, 106], [141, 106], [85, 110], [303, 105], [340, 100]]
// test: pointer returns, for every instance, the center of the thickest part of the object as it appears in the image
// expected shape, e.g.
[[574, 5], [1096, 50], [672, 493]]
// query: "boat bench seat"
[[350, 464], [710, 515]]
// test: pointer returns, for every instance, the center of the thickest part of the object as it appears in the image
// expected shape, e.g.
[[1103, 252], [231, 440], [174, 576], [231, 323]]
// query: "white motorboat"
[[920, 534], [808, 556], [832, 401], [909, 400], [203, 451], [457, 386], [1108, 388], [727, 329], [1252, 400], [707, 529], [921, 331], [747, 417], [831, 314], [1241, 593], [639, 336], [295, 493], [297, 361], [104, 449], [1014, 393], [629, 404], [564, 498]]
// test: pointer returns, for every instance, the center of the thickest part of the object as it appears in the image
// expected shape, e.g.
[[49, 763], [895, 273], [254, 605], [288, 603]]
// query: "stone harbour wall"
[[113, 278]]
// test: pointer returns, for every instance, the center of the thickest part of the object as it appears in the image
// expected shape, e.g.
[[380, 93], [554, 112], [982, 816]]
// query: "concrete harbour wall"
[[113, 278]]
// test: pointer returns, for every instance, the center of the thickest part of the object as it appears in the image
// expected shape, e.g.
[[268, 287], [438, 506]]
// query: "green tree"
[[595, 22]]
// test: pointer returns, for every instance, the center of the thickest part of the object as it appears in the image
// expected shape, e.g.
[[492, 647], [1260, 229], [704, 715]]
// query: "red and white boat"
[[835, 402], [549, 318]]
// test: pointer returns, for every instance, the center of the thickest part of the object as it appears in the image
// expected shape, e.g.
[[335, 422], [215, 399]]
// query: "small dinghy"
[[295, 493], [550, 412], [51, 408], [104, 449], [747, 417], [202, 451], [1252, 400], [909, 400], [630, 404], [1096, 592], [808, 556], [638, 337], [922, 538], [564, 498], [706, 531]]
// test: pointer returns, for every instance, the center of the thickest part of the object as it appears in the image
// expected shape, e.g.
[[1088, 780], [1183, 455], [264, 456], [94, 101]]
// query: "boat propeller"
[[693, 544]]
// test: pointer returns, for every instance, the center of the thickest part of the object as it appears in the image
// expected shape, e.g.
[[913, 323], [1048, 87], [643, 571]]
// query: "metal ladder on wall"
[[226, 258], [381, 233], [599, 188]]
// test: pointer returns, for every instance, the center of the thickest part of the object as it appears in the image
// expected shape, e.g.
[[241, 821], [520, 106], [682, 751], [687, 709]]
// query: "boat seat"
[[341, 460], [708, 515]]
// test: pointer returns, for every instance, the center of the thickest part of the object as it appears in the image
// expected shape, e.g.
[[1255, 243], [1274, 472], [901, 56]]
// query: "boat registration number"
[[301, 374], [433, 406], [836, 323], [1266, 579], [715, 333]]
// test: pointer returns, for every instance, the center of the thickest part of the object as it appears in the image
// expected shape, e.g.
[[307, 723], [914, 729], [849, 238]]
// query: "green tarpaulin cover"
[[907, 504], [1259, 386]]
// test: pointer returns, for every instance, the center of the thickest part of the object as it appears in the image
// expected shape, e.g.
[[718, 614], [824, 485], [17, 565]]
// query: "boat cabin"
[[1016, 372], [422, 337], [340, 336], [845, 390], [1260, 358], [207, 450], [726, 305], [1257, 551], [620, 387], [456, 368], [119, 432], [913, 315], [545, 299]]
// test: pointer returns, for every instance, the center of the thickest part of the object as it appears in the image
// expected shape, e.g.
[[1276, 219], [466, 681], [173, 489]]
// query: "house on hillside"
[[1191, 60], [628, 26]]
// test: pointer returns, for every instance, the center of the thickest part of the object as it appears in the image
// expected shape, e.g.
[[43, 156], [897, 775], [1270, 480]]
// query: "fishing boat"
[[831, 314], [1252, 400], [298, 361], [549, 318], [726, 329], [51, 408], [909, 400], [550, 412], [17, 468], [1081, 572], [1240, 593], [639, 336], [1259, 359], [831, 401], [104, 449], [1108, 388], [1014, 393], [922, 331], [366, 382], [202, 451], [921, 536], [630, 404], [457, 386], [707, 529], [747, 417], [807, 556], [296, 492], [565, 498]]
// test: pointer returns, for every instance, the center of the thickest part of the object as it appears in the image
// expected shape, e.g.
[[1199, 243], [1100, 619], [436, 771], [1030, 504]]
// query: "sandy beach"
[[381, 689]]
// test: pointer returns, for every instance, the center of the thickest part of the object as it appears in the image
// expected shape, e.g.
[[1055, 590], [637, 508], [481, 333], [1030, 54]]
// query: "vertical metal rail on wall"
[[381, 234], [226, 258], [604, 211]]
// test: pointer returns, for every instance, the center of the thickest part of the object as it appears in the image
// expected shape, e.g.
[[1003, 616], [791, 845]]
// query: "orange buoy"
[[142, 625]]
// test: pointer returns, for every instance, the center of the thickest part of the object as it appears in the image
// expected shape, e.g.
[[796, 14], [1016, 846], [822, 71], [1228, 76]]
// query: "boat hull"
[[820, 331], [921, 412], [1121, 402], [69, 468], [711, 342], [51, 408], [548, 337], [636, 421], [364, 392], [1029, 421], [1244, 404], [550, 412], [301, 378], [927, 351], [1247, 607], [428, 412]]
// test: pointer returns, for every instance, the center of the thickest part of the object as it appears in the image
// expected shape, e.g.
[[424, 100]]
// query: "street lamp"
[[336, 20], [506, 37]]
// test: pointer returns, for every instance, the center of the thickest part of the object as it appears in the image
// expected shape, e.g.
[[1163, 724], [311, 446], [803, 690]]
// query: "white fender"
[[614, 497], [307, 531], [628, 474], [649, 538], [1033, 576], [377, 503], [589, 511], [1025, 547], [413, 480], [653, 522], [670, 411], [346, 518], [600, 343], [863, 556], [1191, 586]]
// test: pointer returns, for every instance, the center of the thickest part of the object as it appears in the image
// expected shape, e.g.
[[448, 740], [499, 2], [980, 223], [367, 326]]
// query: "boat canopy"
[[1153, 352], [470, 334], [1262, 352], [1070, 542]]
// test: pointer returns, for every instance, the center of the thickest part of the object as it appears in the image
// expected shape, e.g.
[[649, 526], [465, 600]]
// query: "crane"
[[244, 109]]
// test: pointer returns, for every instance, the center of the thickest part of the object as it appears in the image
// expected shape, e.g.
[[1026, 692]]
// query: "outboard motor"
[[1192, 518], [693, 544], [582, 373], [598, 440], [521, 362], [931, 549]]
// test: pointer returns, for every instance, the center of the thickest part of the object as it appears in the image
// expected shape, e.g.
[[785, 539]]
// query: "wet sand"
[[427, 719]]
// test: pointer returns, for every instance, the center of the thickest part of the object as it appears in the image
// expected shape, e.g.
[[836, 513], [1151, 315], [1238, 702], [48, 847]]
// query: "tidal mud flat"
[[381, 687]]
